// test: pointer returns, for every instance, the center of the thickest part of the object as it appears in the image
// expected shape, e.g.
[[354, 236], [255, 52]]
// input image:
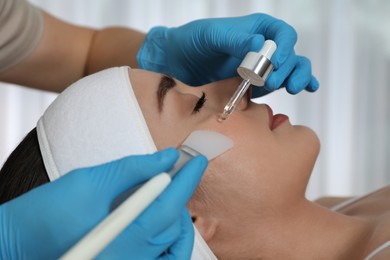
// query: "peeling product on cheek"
[[254, 70]]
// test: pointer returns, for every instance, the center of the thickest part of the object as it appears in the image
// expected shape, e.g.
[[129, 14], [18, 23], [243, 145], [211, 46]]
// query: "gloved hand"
[[47, 221], [208, 50]]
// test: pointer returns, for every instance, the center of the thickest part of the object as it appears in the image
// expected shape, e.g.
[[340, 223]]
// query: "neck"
[[313, 232], [307, 231]]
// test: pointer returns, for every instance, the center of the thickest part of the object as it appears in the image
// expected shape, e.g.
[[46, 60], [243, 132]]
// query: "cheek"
[[262, 165], [302, 148], [240, 169], [232, 188], [172, 127]]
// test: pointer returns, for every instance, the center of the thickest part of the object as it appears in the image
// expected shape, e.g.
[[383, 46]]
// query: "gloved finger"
[[259, 92], [168, 206], [160, 225], [300, 77], [166, 237], [238, 44], [135, 240], [159, 244], [182, 248], [109, 180], [278, 76], [282, 34], [313, 85]]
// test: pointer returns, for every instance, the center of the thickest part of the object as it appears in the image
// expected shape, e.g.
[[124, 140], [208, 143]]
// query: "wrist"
[[152, 54], [112, 47]]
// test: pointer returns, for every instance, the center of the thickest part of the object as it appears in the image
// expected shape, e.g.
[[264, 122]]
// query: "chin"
[[311, 141], [314, 139], [313, 147], [306, 150]]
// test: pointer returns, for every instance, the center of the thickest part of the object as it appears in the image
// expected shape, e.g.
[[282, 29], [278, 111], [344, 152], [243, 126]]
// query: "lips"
[[275, 120], [278, 120]]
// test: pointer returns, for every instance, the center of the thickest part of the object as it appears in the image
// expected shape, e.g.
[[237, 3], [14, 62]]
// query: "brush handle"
[[185, 154], [107, 230]]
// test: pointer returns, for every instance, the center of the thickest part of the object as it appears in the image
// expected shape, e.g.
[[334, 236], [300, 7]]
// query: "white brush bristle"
[[210, 144]]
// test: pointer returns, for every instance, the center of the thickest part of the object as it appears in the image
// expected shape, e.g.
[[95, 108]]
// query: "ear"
[[206, 226]]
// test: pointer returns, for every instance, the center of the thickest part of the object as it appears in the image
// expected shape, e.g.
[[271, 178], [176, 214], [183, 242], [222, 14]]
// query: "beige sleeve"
[[21, 28]]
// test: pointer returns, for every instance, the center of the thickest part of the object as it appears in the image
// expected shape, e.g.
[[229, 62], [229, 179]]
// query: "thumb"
[[239, 44]]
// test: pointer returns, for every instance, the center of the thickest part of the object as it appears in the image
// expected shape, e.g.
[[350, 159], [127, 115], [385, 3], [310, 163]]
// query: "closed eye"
[[200, 103]]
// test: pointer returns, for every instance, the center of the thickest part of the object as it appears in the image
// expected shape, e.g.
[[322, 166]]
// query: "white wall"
[[347, 41]]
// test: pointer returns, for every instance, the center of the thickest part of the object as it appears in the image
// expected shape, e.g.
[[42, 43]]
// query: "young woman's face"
[[271, 159]]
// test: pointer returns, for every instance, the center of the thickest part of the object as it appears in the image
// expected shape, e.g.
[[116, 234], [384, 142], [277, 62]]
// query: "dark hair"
[[23, 170]]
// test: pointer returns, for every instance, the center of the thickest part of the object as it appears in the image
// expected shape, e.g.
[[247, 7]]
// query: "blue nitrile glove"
[[208, 50], [45, 222]]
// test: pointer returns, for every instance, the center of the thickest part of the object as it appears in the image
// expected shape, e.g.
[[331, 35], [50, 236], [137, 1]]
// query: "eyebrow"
[[166, 83]]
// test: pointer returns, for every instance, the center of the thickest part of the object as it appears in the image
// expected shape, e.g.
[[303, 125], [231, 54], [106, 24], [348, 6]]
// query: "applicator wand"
[[254, 70], [129, 206]]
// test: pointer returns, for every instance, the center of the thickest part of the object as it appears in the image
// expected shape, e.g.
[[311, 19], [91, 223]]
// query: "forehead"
[[165, 129], [144, 83]]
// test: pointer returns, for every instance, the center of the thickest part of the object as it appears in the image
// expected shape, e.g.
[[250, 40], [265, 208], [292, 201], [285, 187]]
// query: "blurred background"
[[348, 42]]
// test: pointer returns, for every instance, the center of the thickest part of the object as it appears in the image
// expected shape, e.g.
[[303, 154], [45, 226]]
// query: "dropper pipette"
[[254, 70]]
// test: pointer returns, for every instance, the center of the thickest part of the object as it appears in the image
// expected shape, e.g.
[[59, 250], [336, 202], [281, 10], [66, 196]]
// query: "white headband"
[[94, 121]]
